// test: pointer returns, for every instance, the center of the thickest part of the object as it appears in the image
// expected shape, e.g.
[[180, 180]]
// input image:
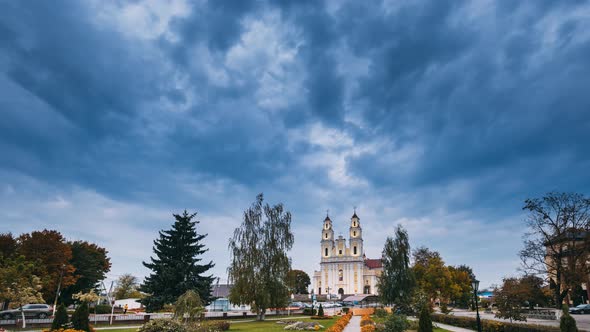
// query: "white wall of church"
[[341, 269]]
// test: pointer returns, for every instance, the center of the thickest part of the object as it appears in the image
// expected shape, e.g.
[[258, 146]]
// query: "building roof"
[[327, 218], [355, 216], [221, 290], [373, 263]]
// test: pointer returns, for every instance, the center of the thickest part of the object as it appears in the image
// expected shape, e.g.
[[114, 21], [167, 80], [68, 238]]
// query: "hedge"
[[491, 325]]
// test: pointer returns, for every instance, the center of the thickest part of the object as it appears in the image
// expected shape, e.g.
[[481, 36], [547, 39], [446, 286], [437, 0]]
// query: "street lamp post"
[[475, 285]]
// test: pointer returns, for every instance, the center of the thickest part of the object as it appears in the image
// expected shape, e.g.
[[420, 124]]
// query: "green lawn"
[[271, 325]]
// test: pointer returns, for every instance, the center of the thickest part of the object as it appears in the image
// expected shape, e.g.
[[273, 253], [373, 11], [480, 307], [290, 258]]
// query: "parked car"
[[581, 309], [30, 311]]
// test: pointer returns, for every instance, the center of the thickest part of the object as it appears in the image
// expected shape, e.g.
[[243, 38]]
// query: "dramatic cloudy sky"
[[442, 116]]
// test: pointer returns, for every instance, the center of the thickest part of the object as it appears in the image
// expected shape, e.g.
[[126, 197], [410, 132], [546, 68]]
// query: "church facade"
[[344, 268]]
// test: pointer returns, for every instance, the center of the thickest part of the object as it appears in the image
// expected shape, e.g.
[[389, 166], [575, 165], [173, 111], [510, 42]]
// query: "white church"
[[344, 269]]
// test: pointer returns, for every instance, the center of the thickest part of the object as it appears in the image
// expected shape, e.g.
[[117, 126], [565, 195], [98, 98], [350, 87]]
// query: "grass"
[[268, 325], [272, 326]]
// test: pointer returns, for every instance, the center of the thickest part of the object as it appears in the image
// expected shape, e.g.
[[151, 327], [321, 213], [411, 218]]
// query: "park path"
[[354, 325]]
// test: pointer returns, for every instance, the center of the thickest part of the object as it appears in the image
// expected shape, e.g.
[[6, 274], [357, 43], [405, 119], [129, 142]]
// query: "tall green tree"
[[397, 281], [259, 261], [298, 281], [91, 263], [176, 266], [432, 276], [461, 292]]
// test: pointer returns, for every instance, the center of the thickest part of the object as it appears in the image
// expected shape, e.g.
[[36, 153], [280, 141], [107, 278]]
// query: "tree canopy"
[[556, 243], [52, 256], [49, 255], [91, 263], [176, 266], [397, 281], [259, 261], [127, 287], [298, 282]]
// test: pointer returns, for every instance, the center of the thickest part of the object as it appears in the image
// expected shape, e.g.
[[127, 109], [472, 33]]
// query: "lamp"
[[475, 285]]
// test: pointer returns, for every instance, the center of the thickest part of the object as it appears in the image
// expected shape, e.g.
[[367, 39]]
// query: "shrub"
[[211, 326], [380, 313], [61, 318], [222, 325], [321, 311], [396, 323], [102, 309], [345, 310], [309, 312], [567, 323], [163, 325], [80, 318], [491, 326], [425, 324], [444, 308]]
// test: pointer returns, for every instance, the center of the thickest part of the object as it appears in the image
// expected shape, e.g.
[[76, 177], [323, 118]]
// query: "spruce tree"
[[321, 311], [80, 319], [61, 318], [176, 267], [567, 323], [425, 323]]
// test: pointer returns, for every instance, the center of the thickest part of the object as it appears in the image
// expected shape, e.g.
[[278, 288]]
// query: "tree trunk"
[[23, 316]]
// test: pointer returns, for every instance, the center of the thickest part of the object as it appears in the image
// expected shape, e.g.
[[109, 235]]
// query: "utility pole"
[[61, 274]]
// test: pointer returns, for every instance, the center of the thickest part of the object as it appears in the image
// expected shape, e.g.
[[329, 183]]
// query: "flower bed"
[[340, 323], [367, 324]]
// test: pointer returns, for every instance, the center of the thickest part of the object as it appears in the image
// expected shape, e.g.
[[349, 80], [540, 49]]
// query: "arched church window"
[[340, 275], [354, 233], [340, 252], [325, 251], [326, 235], [354, 249]]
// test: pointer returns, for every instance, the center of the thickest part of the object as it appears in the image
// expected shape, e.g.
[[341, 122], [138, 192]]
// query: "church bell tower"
[[327, 238], [356, 236]]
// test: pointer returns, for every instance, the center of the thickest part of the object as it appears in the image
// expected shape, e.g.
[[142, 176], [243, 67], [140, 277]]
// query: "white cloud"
[[144, 19]]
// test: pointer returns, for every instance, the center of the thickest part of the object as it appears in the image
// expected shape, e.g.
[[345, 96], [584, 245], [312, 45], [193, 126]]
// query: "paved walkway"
[[451, 328], [354, 325]]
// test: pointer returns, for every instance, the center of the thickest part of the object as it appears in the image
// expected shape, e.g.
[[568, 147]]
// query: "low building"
[[220, 302]]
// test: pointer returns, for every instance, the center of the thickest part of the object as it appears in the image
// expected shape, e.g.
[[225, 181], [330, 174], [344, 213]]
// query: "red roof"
[[373, 263]]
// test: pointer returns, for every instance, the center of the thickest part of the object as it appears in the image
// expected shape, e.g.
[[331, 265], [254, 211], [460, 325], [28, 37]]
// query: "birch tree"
[[259, 261]]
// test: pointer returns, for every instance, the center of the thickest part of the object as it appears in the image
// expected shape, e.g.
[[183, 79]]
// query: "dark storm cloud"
[[472, 91]]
